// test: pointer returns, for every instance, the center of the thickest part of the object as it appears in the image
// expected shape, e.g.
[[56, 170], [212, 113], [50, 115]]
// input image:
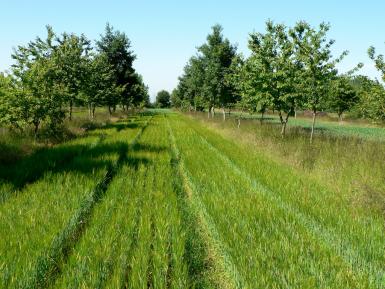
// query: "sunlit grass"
[[279, 227], [157, 200]]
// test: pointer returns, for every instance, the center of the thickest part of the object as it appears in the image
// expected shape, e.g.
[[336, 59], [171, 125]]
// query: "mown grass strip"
[[49, 265], [222, 272]]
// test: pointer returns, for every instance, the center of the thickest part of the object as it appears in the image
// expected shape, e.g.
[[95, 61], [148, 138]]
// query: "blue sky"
[[164, 34]]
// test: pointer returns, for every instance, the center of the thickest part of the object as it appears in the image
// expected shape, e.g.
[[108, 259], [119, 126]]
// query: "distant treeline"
[[51, 76], [289, 69]]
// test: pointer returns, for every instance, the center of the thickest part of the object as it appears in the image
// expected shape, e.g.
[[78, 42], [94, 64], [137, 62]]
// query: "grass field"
[[164, 200], [326, 125]]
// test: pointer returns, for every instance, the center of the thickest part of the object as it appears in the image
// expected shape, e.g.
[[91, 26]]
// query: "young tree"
[[175, 98], [274, 71], [378, 60], [139, 93], [216, 56], [70, 59], [39, 96], [163, 99], [240, 78], [116, 46], [343, 96], [319, 66], [101, 85], [8, 100], [371, 94]]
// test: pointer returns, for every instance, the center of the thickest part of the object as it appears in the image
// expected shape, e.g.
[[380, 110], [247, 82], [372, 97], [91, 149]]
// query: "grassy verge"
[[351, 167], [325, 125]]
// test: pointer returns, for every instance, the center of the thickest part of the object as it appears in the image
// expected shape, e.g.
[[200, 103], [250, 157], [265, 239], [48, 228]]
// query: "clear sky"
[[164, 34]]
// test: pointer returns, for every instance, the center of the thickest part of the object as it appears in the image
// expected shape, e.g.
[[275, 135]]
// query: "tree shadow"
[[10, 154], [119, 126], [80, 158], [149, 148]]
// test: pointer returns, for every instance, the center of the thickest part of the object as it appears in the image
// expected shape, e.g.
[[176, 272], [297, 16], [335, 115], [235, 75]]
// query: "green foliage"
[[39, 94], [163, 99], [274, 71], [378, 60], [7, 98], [289, 69], [371, 104], [115, 45], [343, 97], [60, 72], [203, 83]]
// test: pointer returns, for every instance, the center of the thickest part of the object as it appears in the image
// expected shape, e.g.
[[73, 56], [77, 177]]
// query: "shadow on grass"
[[10, 154], [119, 126], [81, 158], [50, 264]]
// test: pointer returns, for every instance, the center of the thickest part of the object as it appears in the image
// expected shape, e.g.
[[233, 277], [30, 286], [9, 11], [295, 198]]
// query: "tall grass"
[[168, 201], [352, 167], [280, 229], [136, 237], [33, 220]]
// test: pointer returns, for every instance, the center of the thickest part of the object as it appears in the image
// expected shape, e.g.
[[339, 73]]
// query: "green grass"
[[163, 200], [329, 126], [136, 238], [34, 216], [277, 226]]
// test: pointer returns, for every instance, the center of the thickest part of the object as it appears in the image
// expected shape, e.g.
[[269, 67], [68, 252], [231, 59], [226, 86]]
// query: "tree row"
[[50, 76], [289, 69]]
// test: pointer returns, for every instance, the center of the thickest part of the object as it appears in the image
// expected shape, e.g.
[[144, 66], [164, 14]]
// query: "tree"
[[116, 46], [8, 109], [371, 94], [70, 58], [216, 57], [343, 96], [39, 95], [163, 99], [101, 85], [378, 60], [240, 78], [138, 92], [273, 71], [319, 66], [175, 98]]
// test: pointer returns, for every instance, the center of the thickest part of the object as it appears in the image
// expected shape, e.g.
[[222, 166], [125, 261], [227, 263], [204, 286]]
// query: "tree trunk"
[[224, 114], [93, 112], [212, 112], [89, 110], [262, 114], [109, 110], [284, 123], [36, 128], [208, 112], [283, 130], [71, 104], [295, 113], [312, 126], [340, 117], [239, 120]]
